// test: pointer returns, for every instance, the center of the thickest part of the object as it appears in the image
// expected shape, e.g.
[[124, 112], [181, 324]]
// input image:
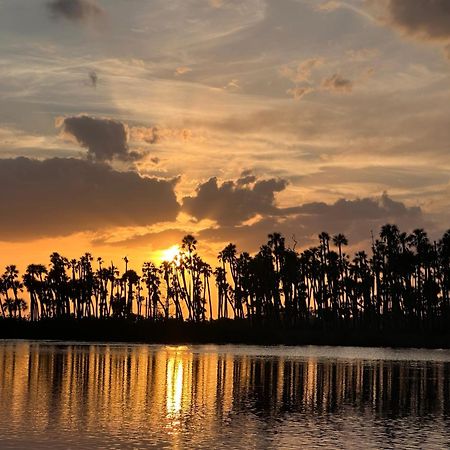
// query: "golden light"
[[170, 254], [174, 383]]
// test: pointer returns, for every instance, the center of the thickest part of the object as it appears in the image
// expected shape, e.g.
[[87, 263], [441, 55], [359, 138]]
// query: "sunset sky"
[[125, 124]]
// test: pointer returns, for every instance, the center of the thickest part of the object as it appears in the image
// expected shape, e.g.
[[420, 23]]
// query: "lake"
[[111, 396]]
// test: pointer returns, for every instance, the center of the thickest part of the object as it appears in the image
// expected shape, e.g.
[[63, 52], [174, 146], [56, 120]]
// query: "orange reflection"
[[174, 383], [173, 394]]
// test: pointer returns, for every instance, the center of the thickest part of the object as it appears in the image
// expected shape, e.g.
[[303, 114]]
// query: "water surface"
[[86, 396]]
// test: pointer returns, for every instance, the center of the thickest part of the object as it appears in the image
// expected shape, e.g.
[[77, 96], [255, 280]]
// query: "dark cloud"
[[108, 139], [105, 139], [75, 10], [234, 202], [428, 19], [61, 196], [347, 211], [355, 218], [337, 83], [93, 78], [246, 179]]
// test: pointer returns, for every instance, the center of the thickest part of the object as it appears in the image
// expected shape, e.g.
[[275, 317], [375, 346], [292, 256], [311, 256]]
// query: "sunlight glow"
[[170, 254], [174, 383]]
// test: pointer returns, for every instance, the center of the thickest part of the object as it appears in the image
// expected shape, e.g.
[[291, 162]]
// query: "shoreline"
[[225, 331]]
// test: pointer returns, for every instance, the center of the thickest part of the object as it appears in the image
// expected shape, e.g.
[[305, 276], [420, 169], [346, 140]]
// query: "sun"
[[170, 254]]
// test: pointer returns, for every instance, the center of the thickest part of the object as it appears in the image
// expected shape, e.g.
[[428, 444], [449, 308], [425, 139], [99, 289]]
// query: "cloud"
[[349, 210], [182, 70], [108, 139], [232, 85], [337, 83], [427, 20], [302, 71], [105, 139], [330, 5], [299, 92], [93, 78], [216, 3], [355, 218], [411, 179], [61, 196], [226, 4], [234, 202], [301, 74], [362, 54], [245, 210], [161, 239], [75, 10], [155, 134]]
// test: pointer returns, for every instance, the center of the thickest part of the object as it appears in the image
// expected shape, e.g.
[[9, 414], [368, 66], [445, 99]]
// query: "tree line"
[[405, 278]]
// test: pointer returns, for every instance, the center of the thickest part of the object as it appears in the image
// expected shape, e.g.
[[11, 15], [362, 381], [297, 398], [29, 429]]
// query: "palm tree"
[[189, 244], [150, 276], [222, 292], [11, 282], [58, 286], [34, 283], [130, 280], [228, 255], [206, 271], [339, 240]]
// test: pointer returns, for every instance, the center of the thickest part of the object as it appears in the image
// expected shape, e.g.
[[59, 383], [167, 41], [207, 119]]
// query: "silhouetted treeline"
[[406, 278]]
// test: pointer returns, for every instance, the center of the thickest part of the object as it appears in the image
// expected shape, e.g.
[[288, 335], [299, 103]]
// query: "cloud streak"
[[156, 134]]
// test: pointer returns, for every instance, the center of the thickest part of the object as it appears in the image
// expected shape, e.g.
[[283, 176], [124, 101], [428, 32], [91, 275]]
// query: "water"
[[55, 395]]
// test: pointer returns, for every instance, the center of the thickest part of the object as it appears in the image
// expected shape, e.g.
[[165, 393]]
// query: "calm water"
[[138, 396]]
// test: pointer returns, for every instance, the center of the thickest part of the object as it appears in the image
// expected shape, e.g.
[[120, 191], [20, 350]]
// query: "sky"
[[126, 124]]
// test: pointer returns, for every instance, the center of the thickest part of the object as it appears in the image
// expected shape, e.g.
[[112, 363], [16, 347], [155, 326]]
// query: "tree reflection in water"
[[84, 395]]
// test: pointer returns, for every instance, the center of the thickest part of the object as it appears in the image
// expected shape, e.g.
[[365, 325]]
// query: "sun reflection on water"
[[174, 383], [209, 397]]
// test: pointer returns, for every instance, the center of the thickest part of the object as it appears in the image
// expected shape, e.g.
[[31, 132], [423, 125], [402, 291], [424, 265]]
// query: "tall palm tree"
[[130, 280], [150, 276], [339, 240]]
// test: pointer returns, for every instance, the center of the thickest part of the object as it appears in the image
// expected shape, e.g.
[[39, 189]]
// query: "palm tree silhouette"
[[404, 282]]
